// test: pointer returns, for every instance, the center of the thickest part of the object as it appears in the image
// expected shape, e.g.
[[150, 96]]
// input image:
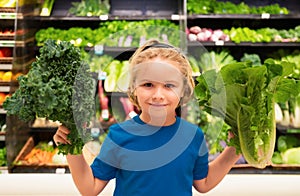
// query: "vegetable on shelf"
[[228, 7], [244, 96], [195, 33], [288, 150], [58, 87], [90, 8], [47, 7]]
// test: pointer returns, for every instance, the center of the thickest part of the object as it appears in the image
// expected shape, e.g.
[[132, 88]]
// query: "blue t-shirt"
[[150, 160]]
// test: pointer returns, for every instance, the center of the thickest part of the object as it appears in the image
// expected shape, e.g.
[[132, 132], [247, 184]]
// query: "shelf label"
[[175, 17], [265, 15], [103, 17], [8, 15], [7, 43], [99, 49], [102, 75], [4, 88], [60, 170], [219, 43], [6, 66]]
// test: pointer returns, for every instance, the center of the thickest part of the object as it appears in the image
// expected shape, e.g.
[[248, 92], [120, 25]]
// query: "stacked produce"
[[196, 33], [5, 52], [243, 34], [114, 33], [8, 3], [288, 113], [42, 154], [288, 150], [227, 7], [90, 8], [59, 87], [3, 160], [244, 96]]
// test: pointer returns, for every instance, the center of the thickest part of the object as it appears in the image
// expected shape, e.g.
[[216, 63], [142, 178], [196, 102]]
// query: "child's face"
[[159, 87]]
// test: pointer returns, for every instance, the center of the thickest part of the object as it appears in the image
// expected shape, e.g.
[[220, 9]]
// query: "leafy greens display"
[[244, 96], [59, 87]]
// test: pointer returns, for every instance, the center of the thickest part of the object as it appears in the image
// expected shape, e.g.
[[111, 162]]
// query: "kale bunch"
[[59, 86]]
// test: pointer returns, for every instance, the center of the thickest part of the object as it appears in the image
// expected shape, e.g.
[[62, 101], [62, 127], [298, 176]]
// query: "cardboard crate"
[[27, 148]]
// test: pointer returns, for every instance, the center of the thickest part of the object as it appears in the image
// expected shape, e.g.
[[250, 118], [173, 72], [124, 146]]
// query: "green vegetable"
[[253, 58], [90, 8], [244, 96], [228, 7], [59, 87], [285, 142], [3, 160], [291, 156], [47, 7]]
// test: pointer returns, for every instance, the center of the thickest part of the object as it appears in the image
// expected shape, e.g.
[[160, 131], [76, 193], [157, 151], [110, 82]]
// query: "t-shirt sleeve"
[[102, 170], [201, 164], [103, 167]]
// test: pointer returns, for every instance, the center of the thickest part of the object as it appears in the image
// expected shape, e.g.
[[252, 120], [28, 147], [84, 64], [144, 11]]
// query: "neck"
[[158, 121]]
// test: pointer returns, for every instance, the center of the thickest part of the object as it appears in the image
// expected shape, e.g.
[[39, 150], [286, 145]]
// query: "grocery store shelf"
[[3, 170], [102, 18], [13, 43], [244, 44], [232, 185], [2, 111], [244, 16], [2, 137]]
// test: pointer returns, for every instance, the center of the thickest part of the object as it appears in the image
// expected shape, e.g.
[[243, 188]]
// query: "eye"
[[148, 84], [169, 85]]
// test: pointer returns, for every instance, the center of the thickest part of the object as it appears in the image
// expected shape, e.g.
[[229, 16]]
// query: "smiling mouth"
[[157, 105]]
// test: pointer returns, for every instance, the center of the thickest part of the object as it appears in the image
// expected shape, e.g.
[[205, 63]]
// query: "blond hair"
[[153, 49]]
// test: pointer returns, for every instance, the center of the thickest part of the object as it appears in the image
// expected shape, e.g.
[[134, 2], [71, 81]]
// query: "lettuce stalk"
[[244, 95]]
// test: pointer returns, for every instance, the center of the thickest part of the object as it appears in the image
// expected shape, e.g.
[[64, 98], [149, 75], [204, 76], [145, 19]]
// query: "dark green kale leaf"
[[59, 86]]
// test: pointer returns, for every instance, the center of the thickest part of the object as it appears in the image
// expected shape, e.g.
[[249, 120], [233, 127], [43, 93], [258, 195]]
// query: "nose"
[[158, 93]]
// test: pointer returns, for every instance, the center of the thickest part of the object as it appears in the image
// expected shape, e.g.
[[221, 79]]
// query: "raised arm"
[[217, 170], [81, 172]]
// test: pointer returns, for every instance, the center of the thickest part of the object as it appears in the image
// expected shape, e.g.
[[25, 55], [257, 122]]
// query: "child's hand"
[[61, 135]]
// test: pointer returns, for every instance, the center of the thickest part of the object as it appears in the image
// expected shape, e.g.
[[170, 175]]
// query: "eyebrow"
[[167, 81]]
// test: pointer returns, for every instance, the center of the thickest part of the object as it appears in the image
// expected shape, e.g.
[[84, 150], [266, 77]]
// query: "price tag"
[[7, 15], [60, 170], [95, 132], [219, 43], [265, 15], [4, 88], [103, 17], [175, 17], [99, 49], [102, 75]]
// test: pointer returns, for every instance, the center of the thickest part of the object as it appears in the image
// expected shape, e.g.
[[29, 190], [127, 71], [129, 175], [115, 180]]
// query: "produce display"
[[8, 3], [227, 7], [42, 154], [114, 33], [196, 33], [243, 34], [288, 150], [3, 160], [211, 60], [59, 87], [90, 8], [47, 7], [288, 113], [5, 52], [244, 96]]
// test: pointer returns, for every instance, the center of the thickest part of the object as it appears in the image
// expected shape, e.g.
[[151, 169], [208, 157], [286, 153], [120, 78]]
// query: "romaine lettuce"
[[244, 96]]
